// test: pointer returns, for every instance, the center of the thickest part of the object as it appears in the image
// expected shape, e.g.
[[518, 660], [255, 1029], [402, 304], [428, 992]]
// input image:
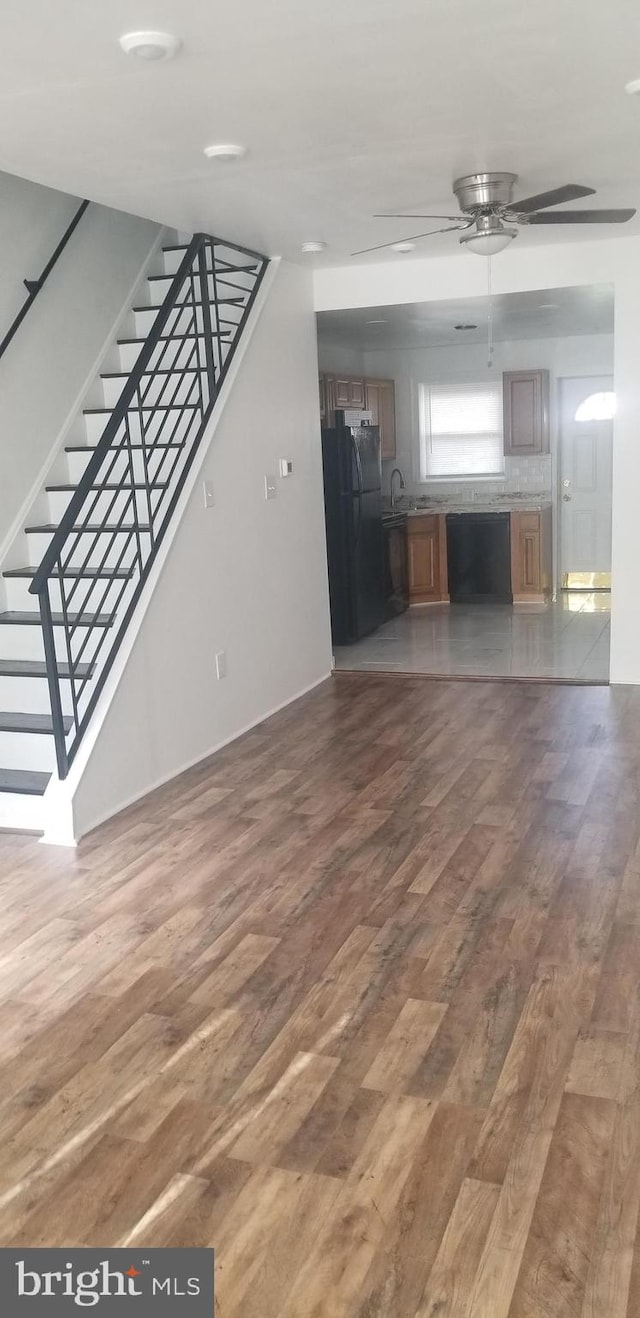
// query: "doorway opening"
[[495, 473]]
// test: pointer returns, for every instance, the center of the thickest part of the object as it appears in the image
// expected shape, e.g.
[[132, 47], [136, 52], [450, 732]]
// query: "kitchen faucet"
[[396, 472]]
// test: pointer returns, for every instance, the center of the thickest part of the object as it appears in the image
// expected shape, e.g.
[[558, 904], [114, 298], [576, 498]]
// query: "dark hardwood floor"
[[357, 1002]]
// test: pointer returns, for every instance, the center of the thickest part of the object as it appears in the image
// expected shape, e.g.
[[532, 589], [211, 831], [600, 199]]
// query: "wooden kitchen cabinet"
[[427, 559], [531, 554], [376, 396], [348, 391], [380, 400], [525, 413]]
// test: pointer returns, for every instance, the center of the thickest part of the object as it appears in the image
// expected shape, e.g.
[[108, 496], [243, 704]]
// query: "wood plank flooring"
[[356, 1001]]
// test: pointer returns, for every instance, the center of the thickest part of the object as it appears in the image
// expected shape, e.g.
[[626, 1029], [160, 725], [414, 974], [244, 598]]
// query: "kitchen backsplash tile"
[[522, 476]]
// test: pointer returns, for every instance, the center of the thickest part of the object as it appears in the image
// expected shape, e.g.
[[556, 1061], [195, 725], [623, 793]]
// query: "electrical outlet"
[[209, 500], [270, 488], [221, 664]]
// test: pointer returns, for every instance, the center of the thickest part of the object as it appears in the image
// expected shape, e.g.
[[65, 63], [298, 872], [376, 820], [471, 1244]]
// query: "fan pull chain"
[[489, 317]]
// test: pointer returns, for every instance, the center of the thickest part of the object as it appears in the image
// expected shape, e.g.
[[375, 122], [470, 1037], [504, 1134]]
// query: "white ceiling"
[[547, 313], [348, 107]]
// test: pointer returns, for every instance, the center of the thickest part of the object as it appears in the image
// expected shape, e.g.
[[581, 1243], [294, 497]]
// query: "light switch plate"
[[209, 498], [221, 664], [286, 467], [270, 488]]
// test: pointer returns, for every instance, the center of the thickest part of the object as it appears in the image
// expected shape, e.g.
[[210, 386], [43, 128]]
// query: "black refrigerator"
[[355, 539]]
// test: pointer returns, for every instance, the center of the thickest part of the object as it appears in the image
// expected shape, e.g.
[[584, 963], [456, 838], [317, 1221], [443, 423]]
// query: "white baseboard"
[[198, 759]]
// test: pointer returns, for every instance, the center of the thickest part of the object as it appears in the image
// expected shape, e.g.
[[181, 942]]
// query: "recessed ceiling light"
[[402, 247], [375, 322], [226, 152], [150, 45], [314, 245], [633, 88], [547, 306], [465, 327]]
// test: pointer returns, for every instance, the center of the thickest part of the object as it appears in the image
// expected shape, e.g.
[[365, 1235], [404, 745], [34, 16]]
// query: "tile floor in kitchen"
[[566, 639]]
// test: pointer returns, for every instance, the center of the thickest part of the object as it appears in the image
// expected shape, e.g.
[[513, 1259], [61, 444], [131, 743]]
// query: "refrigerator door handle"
[[356, 454]]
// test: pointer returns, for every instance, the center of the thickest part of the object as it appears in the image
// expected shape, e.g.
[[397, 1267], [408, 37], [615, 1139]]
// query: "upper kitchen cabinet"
[[349, 392], [380, 400], [525, 413], [375, 396]]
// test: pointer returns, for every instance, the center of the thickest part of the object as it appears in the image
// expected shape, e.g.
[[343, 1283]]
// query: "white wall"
[[561, 265], [335, 358], [247, 576], [410, 367], [32, 222], [46, 366]]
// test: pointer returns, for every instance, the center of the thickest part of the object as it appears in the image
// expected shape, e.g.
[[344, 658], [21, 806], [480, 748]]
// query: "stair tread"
[[230, 269], [150, 407], [23, 617], [178, 338], [165, 370], [40, 723], [49, 528], [91, 448], [123, 489], [24, 782], [197, 302], [102, 574], [35, 668]]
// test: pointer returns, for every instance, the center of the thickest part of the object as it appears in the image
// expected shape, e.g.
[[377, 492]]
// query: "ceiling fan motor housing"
[[479, 191]]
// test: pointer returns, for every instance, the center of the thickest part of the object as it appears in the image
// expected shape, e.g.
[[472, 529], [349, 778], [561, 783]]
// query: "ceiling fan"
[[488, 214]]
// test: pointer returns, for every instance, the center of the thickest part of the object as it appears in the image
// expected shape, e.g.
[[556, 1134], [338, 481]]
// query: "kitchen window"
[[461, 431]]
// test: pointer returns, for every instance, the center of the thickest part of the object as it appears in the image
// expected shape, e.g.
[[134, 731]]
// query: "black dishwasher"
[[479, 558]]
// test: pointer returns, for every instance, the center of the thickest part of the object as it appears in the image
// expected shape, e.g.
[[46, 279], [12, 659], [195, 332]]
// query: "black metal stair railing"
[[92, 574], [34, 286]]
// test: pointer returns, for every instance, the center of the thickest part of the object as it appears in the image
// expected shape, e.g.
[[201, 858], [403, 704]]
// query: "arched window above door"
[[597, 407]]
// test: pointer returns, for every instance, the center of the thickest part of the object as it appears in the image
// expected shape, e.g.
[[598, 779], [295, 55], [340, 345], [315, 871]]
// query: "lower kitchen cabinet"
[[531, 556], [427, 559]]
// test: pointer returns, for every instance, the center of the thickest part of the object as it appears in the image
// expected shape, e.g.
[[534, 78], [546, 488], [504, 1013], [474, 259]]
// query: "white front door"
[[585, 463]]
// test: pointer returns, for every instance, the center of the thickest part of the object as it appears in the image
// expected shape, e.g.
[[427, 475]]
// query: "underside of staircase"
[[90, 588]]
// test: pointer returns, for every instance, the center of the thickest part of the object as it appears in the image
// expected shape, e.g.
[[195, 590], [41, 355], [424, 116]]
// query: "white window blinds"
[[461, 430]]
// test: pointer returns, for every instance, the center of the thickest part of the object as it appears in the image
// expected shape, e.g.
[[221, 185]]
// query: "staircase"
[[73, 581]]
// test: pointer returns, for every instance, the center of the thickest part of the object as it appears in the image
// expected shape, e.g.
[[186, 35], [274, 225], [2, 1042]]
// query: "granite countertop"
[[504, 506]]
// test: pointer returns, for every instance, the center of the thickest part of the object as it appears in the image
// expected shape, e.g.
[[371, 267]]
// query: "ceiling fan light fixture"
[[489, 237]]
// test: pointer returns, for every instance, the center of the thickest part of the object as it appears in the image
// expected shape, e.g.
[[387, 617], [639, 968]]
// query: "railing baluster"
[[69, 652], [145, 470], [53, 679], [206, 317], [132, 474]]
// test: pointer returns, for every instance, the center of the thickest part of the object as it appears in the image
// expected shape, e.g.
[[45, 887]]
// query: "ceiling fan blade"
[[582, 217], [570, 192], [417, 217], [413, 238]]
